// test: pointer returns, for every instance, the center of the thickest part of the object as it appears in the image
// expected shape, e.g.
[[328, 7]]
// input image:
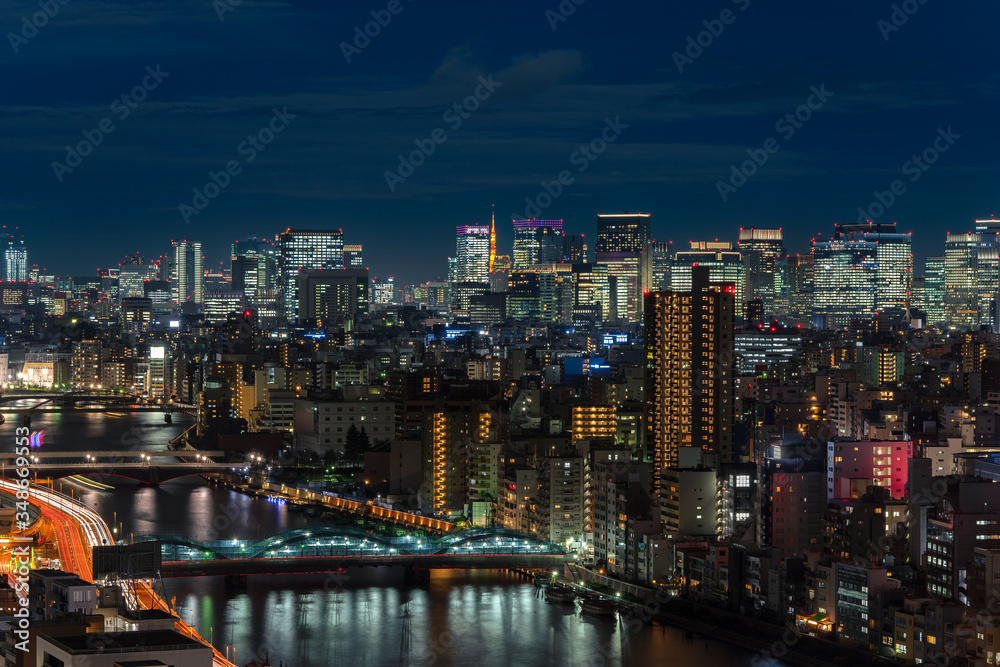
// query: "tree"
[[353, 446]]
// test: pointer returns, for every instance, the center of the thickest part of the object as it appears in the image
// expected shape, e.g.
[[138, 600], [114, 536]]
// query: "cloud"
[[527, 75]]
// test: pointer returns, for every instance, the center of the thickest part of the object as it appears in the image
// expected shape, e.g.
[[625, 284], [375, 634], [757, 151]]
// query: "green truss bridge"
[[333, 549]]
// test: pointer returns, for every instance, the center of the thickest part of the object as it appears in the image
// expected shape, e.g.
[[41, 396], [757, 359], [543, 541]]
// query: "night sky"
[[220, 81]]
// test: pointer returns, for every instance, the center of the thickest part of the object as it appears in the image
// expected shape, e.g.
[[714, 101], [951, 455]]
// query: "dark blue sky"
[[327, 167]]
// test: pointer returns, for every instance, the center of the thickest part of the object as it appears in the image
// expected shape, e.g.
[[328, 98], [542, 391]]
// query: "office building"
[[472, 254], [724, 263], [332, 297], [302, 250], [689, 370], [761, 350], [353, 256], [934, 301], [623, 232], [574, 248], [760, 250], [537, 242], [15, 260], [219, 304], [188, 276], [862, 270], [799, 273], [133, 274]]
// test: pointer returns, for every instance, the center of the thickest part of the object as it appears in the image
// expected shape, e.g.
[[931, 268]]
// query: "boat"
[[167, 418], [599, 606], [557, 593]]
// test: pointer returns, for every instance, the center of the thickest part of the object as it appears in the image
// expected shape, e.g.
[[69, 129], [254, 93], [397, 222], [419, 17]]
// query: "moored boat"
[[556, 593], [599, 606]]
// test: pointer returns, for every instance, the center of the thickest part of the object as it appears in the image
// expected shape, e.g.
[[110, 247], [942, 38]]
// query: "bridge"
[[331, 549], [147, 473], [58, 402]]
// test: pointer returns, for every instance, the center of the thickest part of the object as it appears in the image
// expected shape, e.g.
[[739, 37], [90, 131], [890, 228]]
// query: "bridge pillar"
[[235, 580], [413, 575], [154, 476]]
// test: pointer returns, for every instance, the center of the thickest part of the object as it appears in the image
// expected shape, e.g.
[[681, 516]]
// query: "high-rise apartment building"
[[760, 249], [689, 370], [460, 453], [537, 242], [623, 232], [472, 254], [301, 250], [862, 270], [188, 276]]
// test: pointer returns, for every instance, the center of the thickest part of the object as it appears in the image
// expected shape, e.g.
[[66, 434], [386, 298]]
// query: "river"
[[366, 617]]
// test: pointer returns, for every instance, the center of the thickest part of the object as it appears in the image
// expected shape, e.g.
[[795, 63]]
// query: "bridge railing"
[[349, 541]]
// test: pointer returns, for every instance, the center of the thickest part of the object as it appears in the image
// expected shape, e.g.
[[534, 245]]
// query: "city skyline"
[[689, 124]]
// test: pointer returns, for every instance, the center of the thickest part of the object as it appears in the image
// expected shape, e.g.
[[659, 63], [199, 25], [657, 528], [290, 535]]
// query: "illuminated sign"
[[157, 352]]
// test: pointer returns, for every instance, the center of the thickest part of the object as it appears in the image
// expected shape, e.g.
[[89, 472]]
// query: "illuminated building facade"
[[623, 232], [219, 304], [724, 263], [332, 297], [86, 364], [594, 421], [306, 250], [689, 370], [384, 292], [799, 275], [354, 256], [472, 254], [864, 269], [537, 242], [961, 262], [16, 261], [188, 276], [933, 301], [461, 455], [760, 250]]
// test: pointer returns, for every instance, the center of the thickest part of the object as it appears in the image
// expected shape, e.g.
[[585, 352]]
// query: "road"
[[78, 529]]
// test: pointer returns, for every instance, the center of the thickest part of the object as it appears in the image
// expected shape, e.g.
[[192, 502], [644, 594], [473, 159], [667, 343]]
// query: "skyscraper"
[[537, 242], [622, 232], [574, 249], [332, 296], [133, 274], [800, 288], [661, 262], [934, 292], [15, 260], [472, 254], [301, 249], [725, 264], [689, 370], [864, 269], [760, 249], [961, 262], [188, 277]]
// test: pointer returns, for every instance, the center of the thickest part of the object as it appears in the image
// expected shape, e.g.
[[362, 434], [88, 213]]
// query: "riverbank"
[[770, 641]]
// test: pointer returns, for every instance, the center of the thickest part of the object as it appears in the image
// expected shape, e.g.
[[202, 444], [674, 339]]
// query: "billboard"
[[132, 561]]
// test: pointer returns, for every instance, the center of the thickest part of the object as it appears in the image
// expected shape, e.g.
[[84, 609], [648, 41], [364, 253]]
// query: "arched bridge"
[[333, 548]]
